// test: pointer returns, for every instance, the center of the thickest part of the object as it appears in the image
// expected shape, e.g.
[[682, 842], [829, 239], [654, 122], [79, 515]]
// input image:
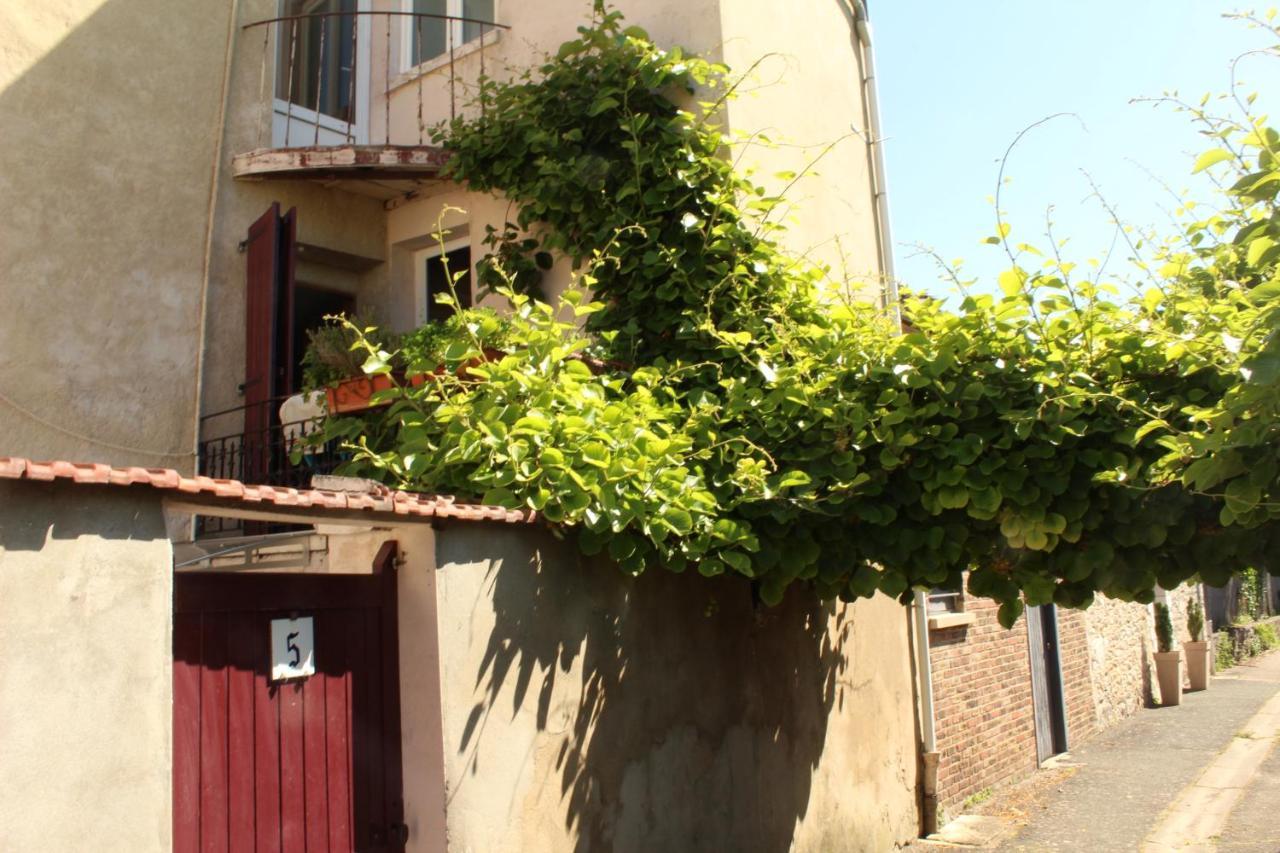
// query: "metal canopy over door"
[[1046, 682], [310, 764]]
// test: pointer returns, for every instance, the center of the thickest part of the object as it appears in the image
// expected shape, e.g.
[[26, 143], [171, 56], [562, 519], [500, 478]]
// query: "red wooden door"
[[305, 765]]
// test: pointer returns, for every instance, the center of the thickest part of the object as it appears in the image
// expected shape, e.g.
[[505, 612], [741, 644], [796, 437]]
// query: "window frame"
[[454, 38], [421, 305], [951, 601]]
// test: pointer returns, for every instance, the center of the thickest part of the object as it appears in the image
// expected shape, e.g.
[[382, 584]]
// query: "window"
[[429, 37], [433, 276], [945, 601], [315, 65]]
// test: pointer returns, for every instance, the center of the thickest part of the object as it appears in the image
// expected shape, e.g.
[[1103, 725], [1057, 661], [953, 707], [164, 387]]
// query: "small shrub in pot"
[[1168, 661], [1197, 650]]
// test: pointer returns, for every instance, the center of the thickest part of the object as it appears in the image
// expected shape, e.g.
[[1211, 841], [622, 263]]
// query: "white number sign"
[[292, 648]]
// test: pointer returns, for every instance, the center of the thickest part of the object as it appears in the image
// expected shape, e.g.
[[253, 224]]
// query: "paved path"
[[1254, 825], [1145, 782]]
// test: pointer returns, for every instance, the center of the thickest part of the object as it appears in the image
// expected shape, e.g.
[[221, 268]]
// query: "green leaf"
[[1210, 158]]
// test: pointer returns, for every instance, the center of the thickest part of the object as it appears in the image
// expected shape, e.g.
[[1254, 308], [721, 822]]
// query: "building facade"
[[224, 657]]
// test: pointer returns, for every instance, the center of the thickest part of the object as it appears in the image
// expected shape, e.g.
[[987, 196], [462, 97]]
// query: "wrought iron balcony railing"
[[350, 92], [251, 444]]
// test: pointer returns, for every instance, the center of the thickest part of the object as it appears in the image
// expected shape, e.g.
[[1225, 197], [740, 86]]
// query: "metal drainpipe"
[[879, 191], [880, 198]]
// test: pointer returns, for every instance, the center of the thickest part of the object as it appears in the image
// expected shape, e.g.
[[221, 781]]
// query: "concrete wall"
[[586, 711], [85, 676], [109, 122]]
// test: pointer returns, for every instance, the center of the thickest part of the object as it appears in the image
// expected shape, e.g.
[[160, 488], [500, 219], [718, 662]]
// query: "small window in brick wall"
[[945, 601]]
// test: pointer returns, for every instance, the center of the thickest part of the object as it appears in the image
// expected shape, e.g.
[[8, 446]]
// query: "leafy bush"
[[1164, 627], [1267, 636], [1053, 441], [1195, 620], [1224, 651]]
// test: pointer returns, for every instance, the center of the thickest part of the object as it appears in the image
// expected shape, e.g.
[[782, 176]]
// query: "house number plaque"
[[292, 648]]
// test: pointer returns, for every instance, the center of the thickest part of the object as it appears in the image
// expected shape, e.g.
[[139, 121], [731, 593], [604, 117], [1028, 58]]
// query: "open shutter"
[[263, 253], [286, 369], [268, 369]]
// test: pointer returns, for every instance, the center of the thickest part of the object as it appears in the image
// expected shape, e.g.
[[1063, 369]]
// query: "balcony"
[[349, 97]]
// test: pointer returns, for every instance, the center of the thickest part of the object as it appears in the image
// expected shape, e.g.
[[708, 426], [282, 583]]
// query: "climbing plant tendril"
[[712, 407]]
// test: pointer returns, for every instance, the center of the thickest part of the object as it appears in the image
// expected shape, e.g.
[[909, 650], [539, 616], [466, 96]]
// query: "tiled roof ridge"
[[388, 501]]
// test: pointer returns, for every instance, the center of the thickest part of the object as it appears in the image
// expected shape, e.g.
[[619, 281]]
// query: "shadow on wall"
[[36, 513], [677, 713]]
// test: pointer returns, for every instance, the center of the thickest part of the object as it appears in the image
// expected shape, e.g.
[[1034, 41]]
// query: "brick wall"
[[982, 704], [982, 686], [1073, 655]]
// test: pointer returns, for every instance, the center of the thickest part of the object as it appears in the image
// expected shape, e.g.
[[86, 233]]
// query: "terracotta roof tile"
[[387, 501]]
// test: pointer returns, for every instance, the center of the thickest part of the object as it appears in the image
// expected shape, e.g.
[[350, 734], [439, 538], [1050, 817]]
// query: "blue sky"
[[959, 80]]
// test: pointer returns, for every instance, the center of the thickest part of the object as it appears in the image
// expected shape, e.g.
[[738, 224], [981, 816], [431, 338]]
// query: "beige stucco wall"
[[109, 120], [582, 710], [85, 675], [802, 88]]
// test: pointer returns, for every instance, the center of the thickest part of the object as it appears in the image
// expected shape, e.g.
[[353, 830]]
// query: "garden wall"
[[584, 710]]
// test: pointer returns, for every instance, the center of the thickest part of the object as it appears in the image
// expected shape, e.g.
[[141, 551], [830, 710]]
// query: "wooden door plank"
[[213, 734], [315, 764], [361, 766], [293, 813], [186, 733], [1039, 684], [266, 748], [243, 656], [373, 724], [337, 681]]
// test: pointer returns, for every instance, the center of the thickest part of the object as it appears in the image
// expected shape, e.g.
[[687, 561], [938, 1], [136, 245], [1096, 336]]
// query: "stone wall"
[[583, 710]]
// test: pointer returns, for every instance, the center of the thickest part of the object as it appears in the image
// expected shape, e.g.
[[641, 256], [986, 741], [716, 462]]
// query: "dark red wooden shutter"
[[263, 253], [268, 354], [287, 369]]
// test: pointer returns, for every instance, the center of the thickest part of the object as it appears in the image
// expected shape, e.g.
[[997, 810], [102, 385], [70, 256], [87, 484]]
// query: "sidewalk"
[[1147, 784]]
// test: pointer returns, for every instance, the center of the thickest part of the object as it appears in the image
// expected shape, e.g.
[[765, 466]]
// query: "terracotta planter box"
[[1169, 675], [1198, 664], [352, 395]]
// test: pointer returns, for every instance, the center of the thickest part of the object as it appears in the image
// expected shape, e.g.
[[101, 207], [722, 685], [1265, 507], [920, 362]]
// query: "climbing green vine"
[[711, 407]]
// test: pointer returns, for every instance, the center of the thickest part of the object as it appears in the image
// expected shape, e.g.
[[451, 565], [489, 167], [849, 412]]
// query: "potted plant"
[[1198, 648], [1168, 659], [333, 364], [427, 350]]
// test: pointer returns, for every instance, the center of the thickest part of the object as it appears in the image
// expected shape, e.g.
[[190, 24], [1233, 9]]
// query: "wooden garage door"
[[311, 764]]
